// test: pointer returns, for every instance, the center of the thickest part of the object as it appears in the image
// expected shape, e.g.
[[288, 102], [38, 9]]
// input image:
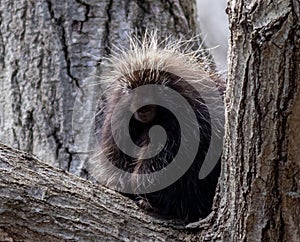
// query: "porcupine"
[[171, 64]]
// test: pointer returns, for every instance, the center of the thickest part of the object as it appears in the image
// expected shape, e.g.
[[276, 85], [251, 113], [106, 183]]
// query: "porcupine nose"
[[146, 114]]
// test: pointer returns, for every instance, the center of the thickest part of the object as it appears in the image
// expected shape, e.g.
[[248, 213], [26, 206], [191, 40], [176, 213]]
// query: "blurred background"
[[214, 27]]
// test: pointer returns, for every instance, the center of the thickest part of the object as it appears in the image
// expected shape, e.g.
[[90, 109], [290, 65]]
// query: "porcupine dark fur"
[[172, 64]]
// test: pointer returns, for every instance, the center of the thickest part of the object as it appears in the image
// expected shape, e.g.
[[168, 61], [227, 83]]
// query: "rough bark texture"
[[50, 55], [43, 203], [261, 201], [50, 49]]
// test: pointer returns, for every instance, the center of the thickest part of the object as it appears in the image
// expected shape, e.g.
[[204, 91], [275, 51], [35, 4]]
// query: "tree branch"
[[42, 203]]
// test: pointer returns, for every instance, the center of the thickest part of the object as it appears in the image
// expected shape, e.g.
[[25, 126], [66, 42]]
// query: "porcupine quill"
[[170, 64]]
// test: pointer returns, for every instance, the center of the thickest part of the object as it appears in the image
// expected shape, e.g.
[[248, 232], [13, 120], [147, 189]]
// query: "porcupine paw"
[[144, 204]]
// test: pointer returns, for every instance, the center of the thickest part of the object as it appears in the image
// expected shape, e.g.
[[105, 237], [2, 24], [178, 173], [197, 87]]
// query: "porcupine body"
[[172, 66]]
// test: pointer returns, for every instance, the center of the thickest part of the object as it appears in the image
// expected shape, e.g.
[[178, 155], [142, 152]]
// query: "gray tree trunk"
[[261, 166], [47, 49], [50, 58]]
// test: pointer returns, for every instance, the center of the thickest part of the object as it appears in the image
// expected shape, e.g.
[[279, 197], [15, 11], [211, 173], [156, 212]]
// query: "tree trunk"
[[50, 48], [50, 57], [261, 196]]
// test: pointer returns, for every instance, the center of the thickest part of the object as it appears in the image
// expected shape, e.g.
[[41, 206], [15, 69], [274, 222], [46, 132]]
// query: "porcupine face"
[[146, 114], [181, 122], [149, 115]]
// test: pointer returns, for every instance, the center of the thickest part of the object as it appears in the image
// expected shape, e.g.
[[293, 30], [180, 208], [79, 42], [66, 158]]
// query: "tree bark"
[[261, 196], [43, 203], [51, 53], [45, 46]]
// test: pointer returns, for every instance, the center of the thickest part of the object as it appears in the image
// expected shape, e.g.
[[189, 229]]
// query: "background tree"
[[52, 50], [45, 46], [214, 27]]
